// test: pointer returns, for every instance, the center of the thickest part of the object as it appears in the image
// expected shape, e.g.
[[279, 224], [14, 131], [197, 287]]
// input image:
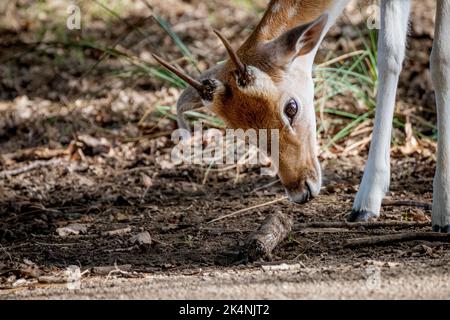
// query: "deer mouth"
[[301, 195]]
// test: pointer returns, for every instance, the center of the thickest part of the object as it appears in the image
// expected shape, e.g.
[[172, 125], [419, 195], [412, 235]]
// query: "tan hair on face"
[[244, 110]]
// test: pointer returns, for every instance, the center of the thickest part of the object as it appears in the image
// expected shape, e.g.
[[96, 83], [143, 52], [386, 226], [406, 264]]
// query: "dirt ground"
[[102, 195]]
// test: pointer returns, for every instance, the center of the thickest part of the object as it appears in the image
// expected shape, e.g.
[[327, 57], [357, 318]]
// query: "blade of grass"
[[184, 49], [347, 129]]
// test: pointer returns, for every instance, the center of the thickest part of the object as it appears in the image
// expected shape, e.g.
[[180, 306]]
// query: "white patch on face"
[[265, 31], [292, 12], [276, 7], [297, 85], [263, 84]]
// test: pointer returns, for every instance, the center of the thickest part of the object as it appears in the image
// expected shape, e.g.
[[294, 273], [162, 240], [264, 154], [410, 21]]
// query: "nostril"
[[300, 197], [306, 197], [303, 193], [309, 192]]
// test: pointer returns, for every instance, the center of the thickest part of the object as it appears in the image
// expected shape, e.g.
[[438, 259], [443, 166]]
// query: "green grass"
[[179, 43], [356, 76]]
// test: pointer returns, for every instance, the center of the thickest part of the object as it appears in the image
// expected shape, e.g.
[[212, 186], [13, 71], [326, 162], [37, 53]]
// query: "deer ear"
[[300, 40]]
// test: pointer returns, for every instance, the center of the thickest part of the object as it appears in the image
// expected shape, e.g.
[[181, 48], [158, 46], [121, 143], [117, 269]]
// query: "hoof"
[[445, 229], [361, 216]]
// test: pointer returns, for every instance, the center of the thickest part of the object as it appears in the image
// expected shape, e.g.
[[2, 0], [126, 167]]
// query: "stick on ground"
[[272, 232], [245, 210], [365, 225], [30, 167], [407, 203], [393, 238]]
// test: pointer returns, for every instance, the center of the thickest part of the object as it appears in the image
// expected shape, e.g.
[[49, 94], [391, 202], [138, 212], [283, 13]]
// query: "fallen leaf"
[[142, 238], [72, 229]]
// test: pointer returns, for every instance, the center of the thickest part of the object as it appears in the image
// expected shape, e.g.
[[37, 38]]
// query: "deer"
[[267, 83]]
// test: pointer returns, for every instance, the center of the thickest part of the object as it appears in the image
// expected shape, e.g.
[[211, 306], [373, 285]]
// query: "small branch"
[[393, 238], [407, 203], [325, 230], [30, 167], [356, 225], [341, 58], [265, 186], [246, 210], [35, 154], [106, 270], [272, 232], [56, 244]]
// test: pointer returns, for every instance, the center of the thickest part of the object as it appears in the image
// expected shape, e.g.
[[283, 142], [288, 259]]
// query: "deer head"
[[267, 84]]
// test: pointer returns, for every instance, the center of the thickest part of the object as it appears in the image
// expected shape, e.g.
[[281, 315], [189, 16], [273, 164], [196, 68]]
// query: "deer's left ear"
[[300, 40]]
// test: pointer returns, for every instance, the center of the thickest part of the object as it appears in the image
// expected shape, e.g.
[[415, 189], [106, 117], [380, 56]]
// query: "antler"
[[188, 79], [243, 75], [205, 89], [231, 53]]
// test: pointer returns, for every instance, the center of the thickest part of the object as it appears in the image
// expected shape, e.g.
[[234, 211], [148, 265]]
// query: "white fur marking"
[[263, 84], [265, 30], [276, 7], [292, 12]]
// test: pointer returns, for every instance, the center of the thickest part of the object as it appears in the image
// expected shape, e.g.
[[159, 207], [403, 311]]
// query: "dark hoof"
[[361, 216], [445, 229]]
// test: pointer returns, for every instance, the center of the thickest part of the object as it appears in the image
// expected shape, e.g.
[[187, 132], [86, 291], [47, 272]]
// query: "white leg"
[[440, 70], [391, 51]]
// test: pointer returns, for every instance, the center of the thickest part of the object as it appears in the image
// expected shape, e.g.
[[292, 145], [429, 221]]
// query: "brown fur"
[[272, 26], [240, 110], [279, 22]]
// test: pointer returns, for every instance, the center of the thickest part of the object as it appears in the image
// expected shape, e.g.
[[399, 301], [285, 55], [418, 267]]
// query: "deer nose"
[[303, 194]]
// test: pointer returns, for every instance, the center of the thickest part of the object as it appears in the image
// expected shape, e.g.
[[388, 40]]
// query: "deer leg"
[[391, 51], [440, 71]]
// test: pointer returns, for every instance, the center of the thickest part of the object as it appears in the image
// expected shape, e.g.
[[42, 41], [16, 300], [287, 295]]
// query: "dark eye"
[[291, 109]]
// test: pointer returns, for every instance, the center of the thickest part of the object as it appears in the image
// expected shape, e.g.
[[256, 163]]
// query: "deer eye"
[[291, 109]]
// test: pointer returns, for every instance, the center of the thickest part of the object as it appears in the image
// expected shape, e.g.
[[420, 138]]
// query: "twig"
[[117, 270], [265, 186], [325, 230], [392, 238], [366, 225], [233, 214], [52, 279], [35, 154], [56, 244], [107, 269], [30, 167], [340, 58], [225, 231], [407, 203]]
